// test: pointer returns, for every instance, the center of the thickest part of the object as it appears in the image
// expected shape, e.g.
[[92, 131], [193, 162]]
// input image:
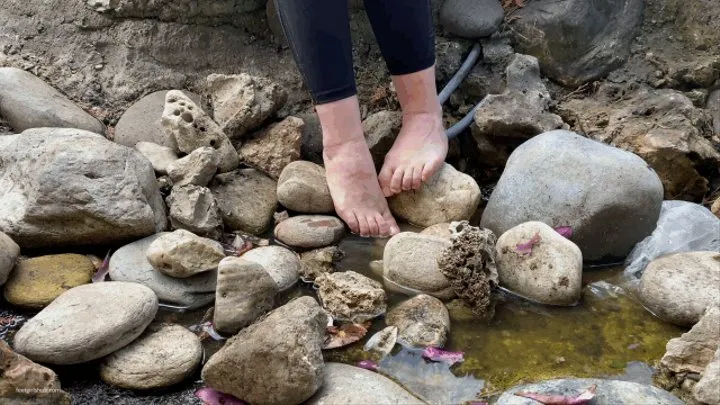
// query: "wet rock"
[[9, 253], [196, 168], [319, 261], [192, 128], [574, 40], [195, 209], [519, 113], [707, 390], [310, 231], [87, 322], [469, 264], [242, 102], [182, 254], [28, 102], [72, 187], [694, 350], [36, 282], [302, 187], [283, 265], [448, 196], [471, 18], [129, 263], [142, 121], [442, 230], [274, 148], [380, 129], [163, 356], [290, 373], [421, 321], [345, 384], [159, 156], [410, 264], [680, 287], [661, 126], [247, 200], [609, 392], [382, 342], [555, 177], [350, 296], [22, 381], [550, 273]]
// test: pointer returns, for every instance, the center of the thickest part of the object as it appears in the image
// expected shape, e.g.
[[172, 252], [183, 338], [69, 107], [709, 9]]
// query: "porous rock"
[[274, 148], [348, 295]]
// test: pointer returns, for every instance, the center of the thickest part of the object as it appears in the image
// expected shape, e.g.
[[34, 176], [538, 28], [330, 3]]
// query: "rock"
[[142, 121], [22, 381], [312, 138], [442, 230], [73, 187], [519, 113], [275, 361], [273, 149], [609, 392], [319, 261], [350, 296], [247, 200], [489, 73], [421, 321], [448, 196], [302, 187], [661, 126], [380, 129], [36, 282], [680, 287], [28, 102], [555, 178], [281, 264], [192, 128], [184, 11], [242, 102], [471, 18], [410, 264], [575, 41], [707, 390], [469, 265], [713, 106], [182, 254], [195, 209], [129, 263], [9, 253], [163, 356], [715, 208], [87, 322], [346, 384], [245, 292], [449, 56], [159, 156], [197, 168], [310, 231], [550, 274], [694, 350]]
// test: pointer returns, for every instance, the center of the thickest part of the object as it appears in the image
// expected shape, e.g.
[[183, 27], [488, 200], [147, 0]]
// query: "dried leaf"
[[103, 270], [206, 329], [382, 342], [214, 397], [438, 354], [368, 365], [565, 231], [526, 248], [584, 398], [344, 335]]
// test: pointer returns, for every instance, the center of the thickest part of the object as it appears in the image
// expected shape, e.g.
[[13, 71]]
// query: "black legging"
[[319, 35]]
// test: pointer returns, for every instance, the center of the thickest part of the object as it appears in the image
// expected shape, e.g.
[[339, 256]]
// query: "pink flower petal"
[[368, 365], [103, 270], [565, 231], [437, 354], [526, 248], [214, 397]]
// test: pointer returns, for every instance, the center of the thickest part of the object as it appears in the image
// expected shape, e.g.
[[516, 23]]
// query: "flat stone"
[[350, 296], [36, 282], [302, 187], [247, 199], [87, 322], [707, 390], [129, 263], [163, 356], [282, 264], [422, 321], [159, 156], [195, 209], [197, 168], [183, 254], [22, 381], [318, 261], [310, 231], [9, 253], [694, 350], [26, 101], [274, 148], [442, 230], [471, 18]]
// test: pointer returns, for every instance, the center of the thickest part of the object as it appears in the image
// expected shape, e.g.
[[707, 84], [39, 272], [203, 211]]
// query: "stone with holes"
[[350, 296], [25, 382]]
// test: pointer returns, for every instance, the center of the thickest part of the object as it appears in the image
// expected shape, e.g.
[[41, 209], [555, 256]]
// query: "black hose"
[[460, 75]]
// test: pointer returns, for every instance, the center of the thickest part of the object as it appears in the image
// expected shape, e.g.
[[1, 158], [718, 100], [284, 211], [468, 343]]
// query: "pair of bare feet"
[[358, 192]]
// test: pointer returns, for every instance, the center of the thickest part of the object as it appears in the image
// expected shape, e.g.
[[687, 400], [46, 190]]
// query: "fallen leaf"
[[438, 354], [214, 397], [584, 398], [103, 270], [565, 231], [383, 341], [368, 365], [526, 248], [344, 335], [208, 329]]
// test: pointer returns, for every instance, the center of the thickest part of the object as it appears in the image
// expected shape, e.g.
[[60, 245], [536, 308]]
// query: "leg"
[[404, 30], [319, 35]]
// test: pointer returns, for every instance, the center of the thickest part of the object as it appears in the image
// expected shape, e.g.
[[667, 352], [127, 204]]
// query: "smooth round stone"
[[310, 231], [302, 187], [282, 264], [421, 321], [87, 322], [345, 384], [182, 254], [36, 282], [442, 230], [163, 356]]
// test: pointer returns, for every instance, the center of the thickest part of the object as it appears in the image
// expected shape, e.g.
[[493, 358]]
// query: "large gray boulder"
[[73, 187], [610, 197], [28, 102]]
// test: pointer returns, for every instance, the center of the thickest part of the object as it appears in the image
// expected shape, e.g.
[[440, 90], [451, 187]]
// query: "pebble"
[[410, 262], [319, 261], [159, 156], [302, 187], [194, 208], [247, 199], [694, 350], [182, 254], [9, 253], [350, 296], [197, 168], [422, 321], [310, 231], [282, 264]]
